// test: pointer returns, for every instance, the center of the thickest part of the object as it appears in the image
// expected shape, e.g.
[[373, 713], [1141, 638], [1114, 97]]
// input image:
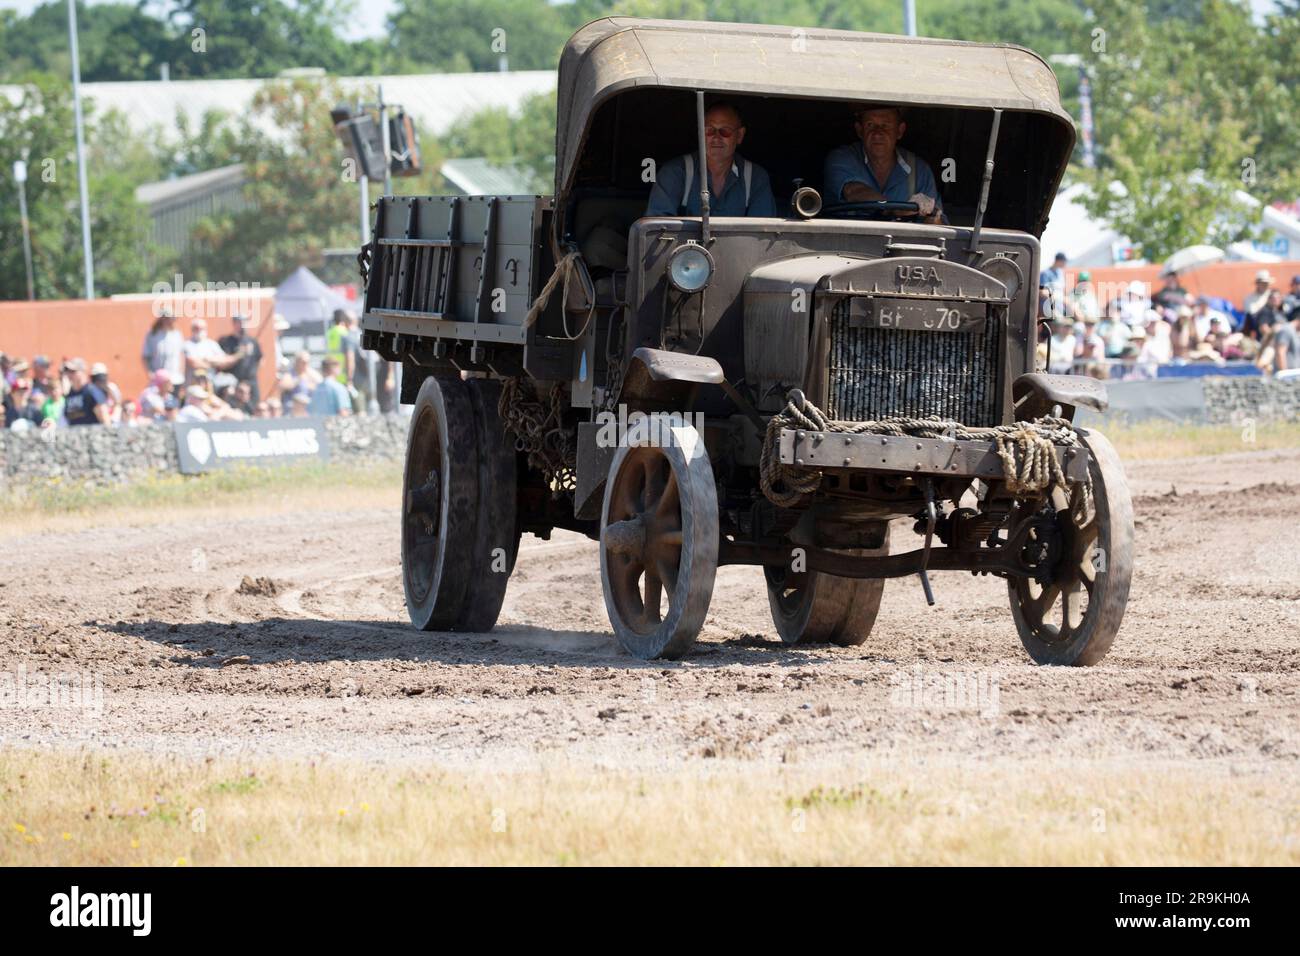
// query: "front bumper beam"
[[959, 458]]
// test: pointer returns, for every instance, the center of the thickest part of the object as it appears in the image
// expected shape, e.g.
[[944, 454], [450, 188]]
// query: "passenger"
[[737, 187], [877, 168]]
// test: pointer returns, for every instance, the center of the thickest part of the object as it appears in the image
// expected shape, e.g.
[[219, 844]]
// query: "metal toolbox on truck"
[[460, 268]]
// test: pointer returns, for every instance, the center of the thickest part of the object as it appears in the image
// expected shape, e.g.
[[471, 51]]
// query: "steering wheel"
[[871, 209]]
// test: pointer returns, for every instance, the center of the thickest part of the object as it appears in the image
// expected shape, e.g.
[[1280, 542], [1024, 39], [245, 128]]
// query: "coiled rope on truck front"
[[1027, 450]]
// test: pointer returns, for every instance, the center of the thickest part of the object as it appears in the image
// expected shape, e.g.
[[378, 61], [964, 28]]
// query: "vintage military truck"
[[816, 375]]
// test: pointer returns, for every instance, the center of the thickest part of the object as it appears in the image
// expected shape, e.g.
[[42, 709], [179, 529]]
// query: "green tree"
[[1255, 73], [193, 38], [525, 140], [302, 197], [1172, 177], [1189, 111], [116, 41], [38, 127], [461, 35], [258, 38], [1044, 26], [209, 141]]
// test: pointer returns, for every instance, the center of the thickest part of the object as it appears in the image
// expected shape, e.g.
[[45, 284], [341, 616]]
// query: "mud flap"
[[593, 469], [1035, 393]]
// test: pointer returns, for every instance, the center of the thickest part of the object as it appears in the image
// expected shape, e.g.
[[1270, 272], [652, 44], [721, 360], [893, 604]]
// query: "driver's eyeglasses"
[[726, 132]]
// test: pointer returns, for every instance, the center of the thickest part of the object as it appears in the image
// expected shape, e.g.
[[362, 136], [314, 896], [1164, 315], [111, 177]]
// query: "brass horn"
[[806, 202]]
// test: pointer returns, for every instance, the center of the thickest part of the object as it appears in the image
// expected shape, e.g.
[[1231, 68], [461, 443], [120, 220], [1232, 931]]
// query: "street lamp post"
[[909, 17], [20, 177], [388, 149], [81, 151]]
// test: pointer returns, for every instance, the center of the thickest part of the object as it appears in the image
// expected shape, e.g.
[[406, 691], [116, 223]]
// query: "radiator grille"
[[878, 373]]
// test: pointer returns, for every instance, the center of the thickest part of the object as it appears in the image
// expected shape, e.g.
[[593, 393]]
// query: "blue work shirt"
[[848, 164], [1053, 278], [329, 398], [666, 196]]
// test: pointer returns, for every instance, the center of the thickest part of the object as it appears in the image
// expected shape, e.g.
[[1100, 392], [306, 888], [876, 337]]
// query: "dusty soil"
[[287, 636]]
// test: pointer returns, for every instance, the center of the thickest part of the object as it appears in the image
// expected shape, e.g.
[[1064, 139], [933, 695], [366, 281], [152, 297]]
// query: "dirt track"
[[1206, 670]]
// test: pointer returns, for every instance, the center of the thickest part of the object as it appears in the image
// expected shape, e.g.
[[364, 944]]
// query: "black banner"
[[1224, 907], [203, 446]]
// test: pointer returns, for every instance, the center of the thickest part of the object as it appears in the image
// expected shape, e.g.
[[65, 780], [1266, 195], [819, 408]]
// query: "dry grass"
[[172, 498], [71, 809], [1150, 441]]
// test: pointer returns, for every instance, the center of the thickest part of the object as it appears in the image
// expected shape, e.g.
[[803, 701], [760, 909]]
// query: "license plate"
[[924, 315]]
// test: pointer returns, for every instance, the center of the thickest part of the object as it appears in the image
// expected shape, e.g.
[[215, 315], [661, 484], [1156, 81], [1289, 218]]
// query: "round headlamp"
[[690, 268]]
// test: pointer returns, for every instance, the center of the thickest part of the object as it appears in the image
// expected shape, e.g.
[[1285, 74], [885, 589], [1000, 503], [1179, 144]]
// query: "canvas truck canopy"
[[626, 94]]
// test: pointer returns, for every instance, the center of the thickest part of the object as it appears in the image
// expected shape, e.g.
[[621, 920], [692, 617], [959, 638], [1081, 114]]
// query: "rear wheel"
[[496, 538], [1073, 619], [459, 534], [809, 607]]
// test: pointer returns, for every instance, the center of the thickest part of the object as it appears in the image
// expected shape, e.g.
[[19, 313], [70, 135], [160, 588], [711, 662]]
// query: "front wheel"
[[1073, 619], [659, 543]]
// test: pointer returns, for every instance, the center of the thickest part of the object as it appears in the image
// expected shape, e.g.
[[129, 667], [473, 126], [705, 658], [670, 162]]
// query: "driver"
[[877, 168], [737, 187]]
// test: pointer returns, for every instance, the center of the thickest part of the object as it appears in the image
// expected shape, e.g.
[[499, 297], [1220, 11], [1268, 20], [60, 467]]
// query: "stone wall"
[[367, 438], [1229, 399], [101, 455]]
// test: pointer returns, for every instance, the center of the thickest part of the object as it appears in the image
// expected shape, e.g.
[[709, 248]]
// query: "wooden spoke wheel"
[[812, 608], [659, 544], [1073, 619], [459, 535]]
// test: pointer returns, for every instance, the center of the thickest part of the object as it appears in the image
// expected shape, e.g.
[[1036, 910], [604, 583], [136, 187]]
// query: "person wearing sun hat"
[[99, 377], [196, 397], [1114, 331], [1090, 347], [1257, 299], [41, 374], [1083, 301], [20, 407], [1257, 324], [86, 403], [155, 394], [1061, 346], [1133, 303], [11, 370]]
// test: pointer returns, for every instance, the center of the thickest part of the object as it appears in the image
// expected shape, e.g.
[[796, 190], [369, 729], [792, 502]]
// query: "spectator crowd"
[[198, 378], [1133, 332]]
